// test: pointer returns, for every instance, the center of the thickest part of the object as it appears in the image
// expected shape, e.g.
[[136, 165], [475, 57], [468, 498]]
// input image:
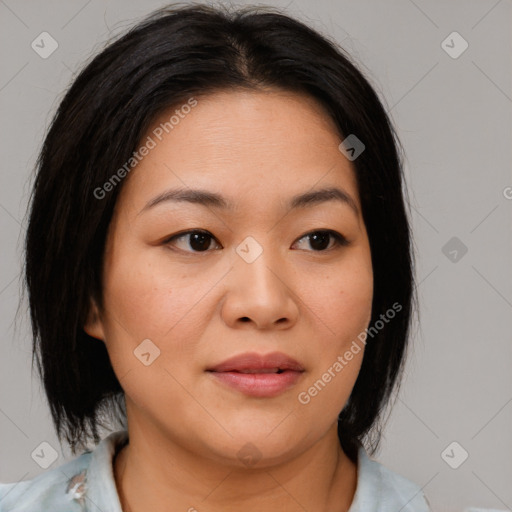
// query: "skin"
[[258, 149]]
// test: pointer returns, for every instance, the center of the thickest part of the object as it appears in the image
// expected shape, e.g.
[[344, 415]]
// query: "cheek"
[[147, 298], [345, 302], [150, 312], [343, 306], [146, 302], [345, 314]]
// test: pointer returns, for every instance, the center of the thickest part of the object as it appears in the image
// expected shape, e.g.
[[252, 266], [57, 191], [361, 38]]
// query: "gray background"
[[453, 116]]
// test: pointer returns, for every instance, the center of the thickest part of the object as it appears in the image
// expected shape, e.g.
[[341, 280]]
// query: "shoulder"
[[380, 489], [60, 488], [67, 487]]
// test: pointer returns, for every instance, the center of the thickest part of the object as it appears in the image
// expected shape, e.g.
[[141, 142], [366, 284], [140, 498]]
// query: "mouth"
[[259, 370], [252, 362], [257, 375]]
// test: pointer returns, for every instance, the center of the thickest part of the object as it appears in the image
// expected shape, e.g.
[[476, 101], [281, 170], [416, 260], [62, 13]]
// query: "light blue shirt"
[[86, 484]]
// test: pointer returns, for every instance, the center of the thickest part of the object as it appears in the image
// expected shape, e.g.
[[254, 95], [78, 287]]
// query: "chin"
[[255, 448]]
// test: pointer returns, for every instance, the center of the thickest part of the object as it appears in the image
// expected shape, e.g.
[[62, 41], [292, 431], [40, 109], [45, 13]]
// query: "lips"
[[275, 362], [257, 375]]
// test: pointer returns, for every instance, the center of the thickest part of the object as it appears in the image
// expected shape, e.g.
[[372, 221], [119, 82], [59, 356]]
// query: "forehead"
[[265, 145], [246, 119]]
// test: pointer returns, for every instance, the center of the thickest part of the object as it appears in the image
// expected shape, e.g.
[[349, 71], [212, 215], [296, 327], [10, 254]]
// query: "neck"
[[151, 473]]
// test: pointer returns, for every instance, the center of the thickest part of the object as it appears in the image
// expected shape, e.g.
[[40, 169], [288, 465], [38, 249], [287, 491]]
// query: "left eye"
[[319, 240]]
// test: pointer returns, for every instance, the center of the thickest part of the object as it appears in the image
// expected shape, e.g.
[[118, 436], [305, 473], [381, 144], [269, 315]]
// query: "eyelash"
[[339, 239]]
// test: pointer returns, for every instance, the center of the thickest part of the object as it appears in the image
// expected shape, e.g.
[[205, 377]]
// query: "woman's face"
[[179, 305]]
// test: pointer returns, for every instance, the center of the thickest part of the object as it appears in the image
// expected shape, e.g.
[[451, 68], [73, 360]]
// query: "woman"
[[218, 255]]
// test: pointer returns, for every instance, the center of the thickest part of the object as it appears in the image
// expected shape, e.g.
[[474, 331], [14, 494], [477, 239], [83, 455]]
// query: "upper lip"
[[255, 361]]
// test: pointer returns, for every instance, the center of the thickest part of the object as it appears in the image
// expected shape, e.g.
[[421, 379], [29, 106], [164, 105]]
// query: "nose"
[[260, 294]]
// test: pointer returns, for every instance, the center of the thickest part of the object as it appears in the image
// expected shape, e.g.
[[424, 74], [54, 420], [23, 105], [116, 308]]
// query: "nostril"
[[245, 319]]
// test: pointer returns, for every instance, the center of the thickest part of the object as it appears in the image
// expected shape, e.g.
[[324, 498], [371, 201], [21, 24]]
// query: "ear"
[[93, 325]]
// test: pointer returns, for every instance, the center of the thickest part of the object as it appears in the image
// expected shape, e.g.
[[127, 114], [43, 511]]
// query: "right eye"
[[198, 240]]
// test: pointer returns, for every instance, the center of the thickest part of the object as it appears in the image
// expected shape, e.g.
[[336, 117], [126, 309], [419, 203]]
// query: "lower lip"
[[264, 385]]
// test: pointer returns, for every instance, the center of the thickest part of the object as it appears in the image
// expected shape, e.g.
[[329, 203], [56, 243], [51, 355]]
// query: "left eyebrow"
[[214, 200]]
